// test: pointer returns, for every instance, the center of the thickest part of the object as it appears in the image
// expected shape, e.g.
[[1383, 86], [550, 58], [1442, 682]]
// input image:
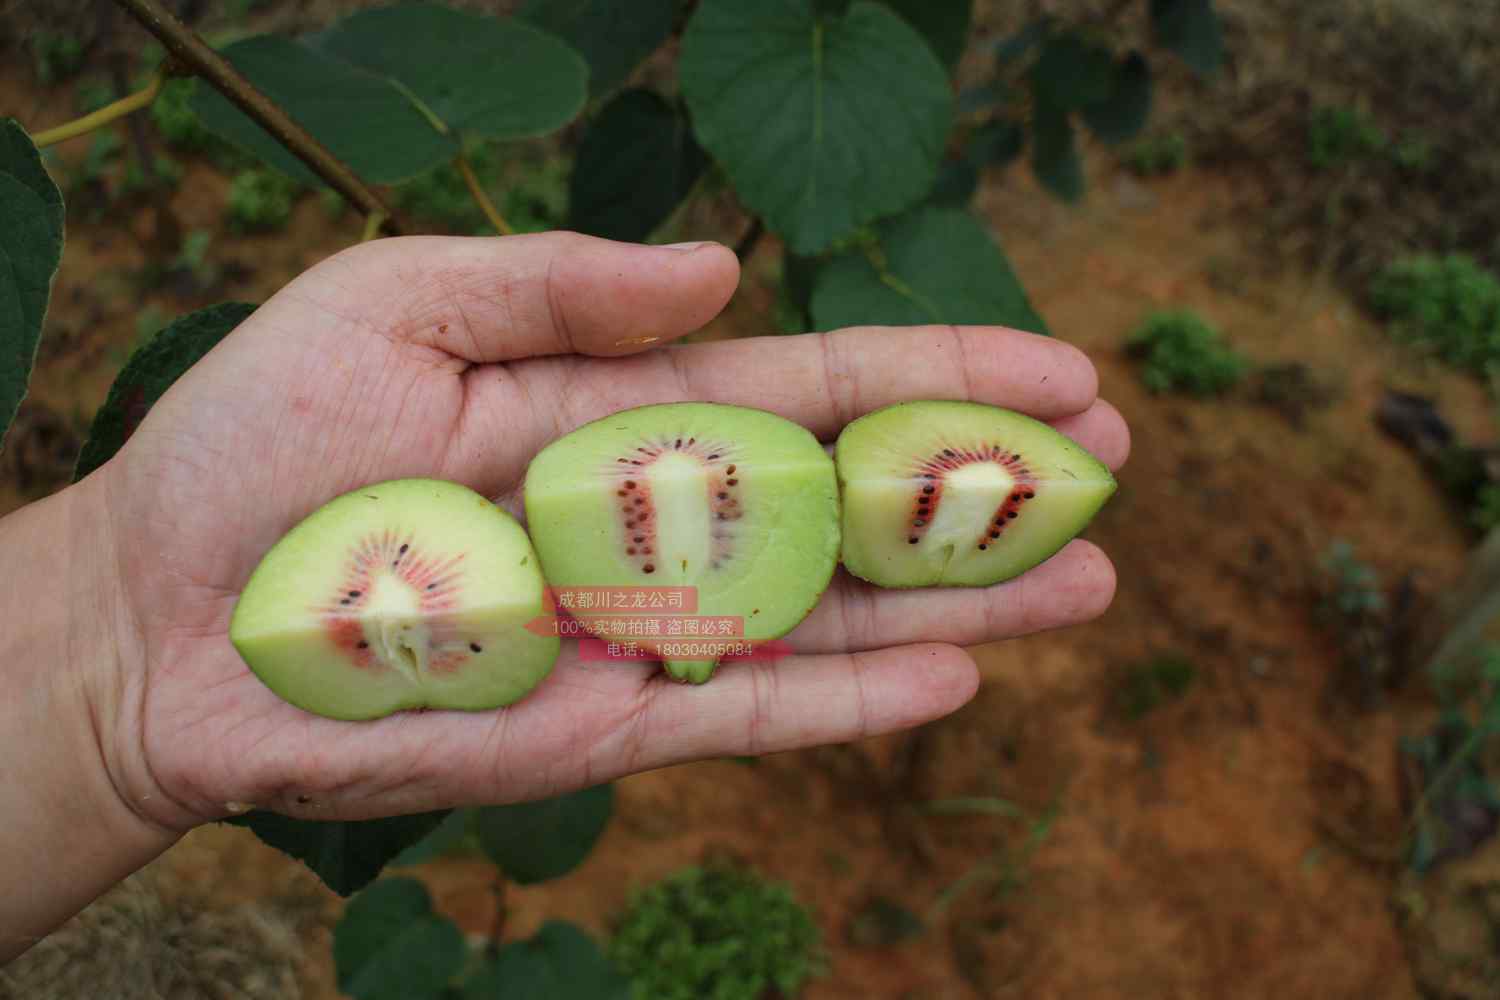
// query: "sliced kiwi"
[[940, 493], [739, 505], [407, 594]]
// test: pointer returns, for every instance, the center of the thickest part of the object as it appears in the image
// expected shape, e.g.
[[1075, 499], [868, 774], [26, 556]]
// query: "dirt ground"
[[1234, 842]]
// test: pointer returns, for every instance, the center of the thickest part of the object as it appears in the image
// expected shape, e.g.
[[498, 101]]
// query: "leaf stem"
[[192, 53], [98, 119], [373, 222], [466, 171]]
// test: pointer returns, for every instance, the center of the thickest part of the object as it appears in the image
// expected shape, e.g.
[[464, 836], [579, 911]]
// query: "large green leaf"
[[31, 242], [823, 125], [934, 265], [1072, 72], [362, 119], [498, 78], [390, 945], [1122, 115], [446, 837], [149, 373], [1190, 28], [346, 856], [636, 163], [536, 841], [944, 23], [613, 35], [560, 963], [1054, 152]]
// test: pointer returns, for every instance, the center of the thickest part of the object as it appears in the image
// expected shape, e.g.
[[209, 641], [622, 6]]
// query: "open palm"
[[459, 359]]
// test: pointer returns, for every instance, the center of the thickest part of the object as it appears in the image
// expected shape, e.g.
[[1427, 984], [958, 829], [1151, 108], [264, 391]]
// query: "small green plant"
[[1447, 305], [1458, 808], [55, 57], [1183, 353], [1414, 153], [1337, 136], [1150, 685], [1354, 590], [1157, 155], [259, 199], [717, 933]]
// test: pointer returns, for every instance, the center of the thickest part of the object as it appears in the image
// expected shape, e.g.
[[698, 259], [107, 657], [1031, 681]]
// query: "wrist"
[[66, 648]]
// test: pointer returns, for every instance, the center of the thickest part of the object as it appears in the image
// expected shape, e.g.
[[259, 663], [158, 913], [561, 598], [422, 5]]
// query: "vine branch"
[[192, 53], [476, 191], [98, 119]]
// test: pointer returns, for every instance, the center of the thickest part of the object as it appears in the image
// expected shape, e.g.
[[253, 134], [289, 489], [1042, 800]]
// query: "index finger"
[[825, 380]]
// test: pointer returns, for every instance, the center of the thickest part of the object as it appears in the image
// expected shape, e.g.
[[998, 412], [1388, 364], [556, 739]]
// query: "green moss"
[[1447, 305], [1337, 136], [1181, 352], [259, 200], [716, 933], [1158, 154]]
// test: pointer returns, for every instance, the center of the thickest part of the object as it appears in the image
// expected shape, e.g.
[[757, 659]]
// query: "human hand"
[[459, 359]]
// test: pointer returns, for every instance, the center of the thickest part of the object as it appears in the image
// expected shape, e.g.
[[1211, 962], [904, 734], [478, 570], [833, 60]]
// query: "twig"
[[192, 53], [97, 119], [752, 236], [466, 170]]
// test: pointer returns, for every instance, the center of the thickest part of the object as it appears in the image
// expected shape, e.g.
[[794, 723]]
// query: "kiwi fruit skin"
[[943, 493], [406, 594], [737, 503]]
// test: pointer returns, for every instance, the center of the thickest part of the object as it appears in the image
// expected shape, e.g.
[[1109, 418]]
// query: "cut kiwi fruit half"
[[940, 494], [737, 504], [413, 593]]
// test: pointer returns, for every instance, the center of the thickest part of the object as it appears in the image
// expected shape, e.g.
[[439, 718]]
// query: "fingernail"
[[687, 247]]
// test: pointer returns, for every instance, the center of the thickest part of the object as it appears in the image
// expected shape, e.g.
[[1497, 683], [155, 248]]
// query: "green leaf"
[[1072, 72], [996, 143], [613, 36], [1054, 154], [445, 837], [956, 182], [390, 945], [497, 78], [560, 963], [347, 856], [536, 841], [822, 125], [1190, 28], [934, 265], [31, 243], [148, 374], [1122, 115], [636, 163], [944, 23], [362, 119]]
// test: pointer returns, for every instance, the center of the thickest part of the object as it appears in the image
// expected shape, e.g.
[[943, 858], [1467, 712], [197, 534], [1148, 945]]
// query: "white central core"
[[970, 497], [393, 625], [684, 521]]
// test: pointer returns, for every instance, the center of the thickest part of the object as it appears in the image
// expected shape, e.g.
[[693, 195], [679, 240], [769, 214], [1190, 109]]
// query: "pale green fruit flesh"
[[940, 493], [413, 593], [737, 503]]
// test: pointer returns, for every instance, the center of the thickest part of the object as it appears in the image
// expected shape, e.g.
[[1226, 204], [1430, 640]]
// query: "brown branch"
[[191, 53], [746, 245]]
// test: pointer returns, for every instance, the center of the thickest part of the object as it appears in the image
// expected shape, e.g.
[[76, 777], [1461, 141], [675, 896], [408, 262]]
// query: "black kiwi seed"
[[929, 489], [713, 458], [732, 482], [648, 568], [995, 534], [362, 644], [345, 601], [948, 452], [723, 496], [474, 647], [353, 593], [982, 546], [402, 549], [1012, 515], [912, 540], [1029, 495]]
